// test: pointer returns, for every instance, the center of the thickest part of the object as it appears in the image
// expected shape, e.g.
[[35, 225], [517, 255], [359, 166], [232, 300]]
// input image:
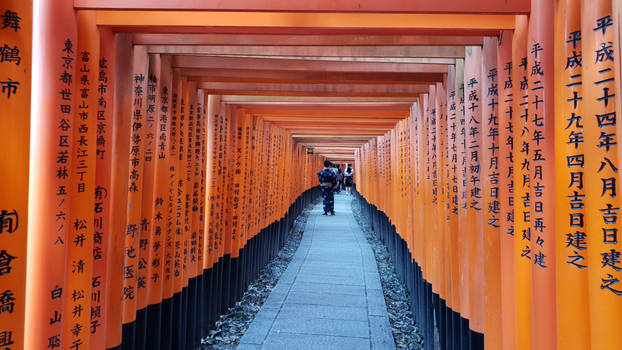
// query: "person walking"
[[328, 181], [348, 179], [339, 179]]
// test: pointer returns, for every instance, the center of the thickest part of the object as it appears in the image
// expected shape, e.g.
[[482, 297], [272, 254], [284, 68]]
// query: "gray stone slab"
[[326, 299], [313, 287], [289, 341], [381, 333], [323, 326], [376, 307], [275, 299], [324, 311], [354, 281], [257, 331], [373, 281]]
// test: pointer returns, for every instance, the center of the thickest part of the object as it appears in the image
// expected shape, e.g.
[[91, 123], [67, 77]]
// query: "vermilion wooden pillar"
[[135, 188], [434, 234], [542, 171], [452, 189], [491, 174], [121, 84], [506, 189], [145, 238], [601, 169], [15, 77], [473, 100], [102, 233], [616, 15], [572, 263], [50, 186], [212, 177], [463, 250], [441, 144], [522, 202], [426, 251], [77, 316], [160, 203]]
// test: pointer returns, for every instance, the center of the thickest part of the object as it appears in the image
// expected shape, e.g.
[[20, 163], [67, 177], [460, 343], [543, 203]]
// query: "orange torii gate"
[[164, 152]]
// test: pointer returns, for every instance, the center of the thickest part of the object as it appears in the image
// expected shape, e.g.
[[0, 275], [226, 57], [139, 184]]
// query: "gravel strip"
[[230, 327], [396, 296]]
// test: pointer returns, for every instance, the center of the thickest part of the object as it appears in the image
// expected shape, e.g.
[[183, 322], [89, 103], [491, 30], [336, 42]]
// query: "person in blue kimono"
[[328, 181]]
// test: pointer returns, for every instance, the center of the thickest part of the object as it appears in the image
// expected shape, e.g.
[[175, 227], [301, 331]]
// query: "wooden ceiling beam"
[[370, 77], [342, 40], [271, 100], [312, 89], [336, 134], [328, 125], [340, 52], [320, 21], [208, 62], [331, 119], [293, 77], [360, 6], [313, 108], [304, 112]]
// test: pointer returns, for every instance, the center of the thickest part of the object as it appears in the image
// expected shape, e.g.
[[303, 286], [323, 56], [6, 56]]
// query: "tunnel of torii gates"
[[155, 153]]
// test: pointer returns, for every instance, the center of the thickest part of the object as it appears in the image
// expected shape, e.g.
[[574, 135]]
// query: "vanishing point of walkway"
[[330, 296]]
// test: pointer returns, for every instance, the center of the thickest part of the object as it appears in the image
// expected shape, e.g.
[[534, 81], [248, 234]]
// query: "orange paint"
[[135, 185], [571, 264], [463, 250], [601, 170], [121, 119], [491, 206], [15, 145], [542, 172], [143, 270], [475, 207], [102, 237], [160, 204], [506, 189], [453, 131], [522, 204], [79, 280], [49, 206]]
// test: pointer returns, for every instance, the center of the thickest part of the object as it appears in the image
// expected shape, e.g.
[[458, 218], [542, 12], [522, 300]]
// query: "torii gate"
[[150, 129]]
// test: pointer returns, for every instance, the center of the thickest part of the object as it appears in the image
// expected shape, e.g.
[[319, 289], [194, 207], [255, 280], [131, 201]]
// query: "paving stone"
[[381, 336], [336, 288], [326, 299], [289, 341], [331, 279], [325, 311], [303, 324]]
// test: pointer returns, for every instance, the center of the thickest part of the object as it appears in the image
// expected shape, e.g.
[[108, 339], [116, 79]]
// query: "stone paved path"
[[330, 296]]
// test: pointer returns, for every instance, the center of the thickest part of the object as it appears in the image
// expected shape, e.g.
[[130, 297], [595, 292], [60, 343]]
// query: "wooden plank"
[[340, 52], [303, 65], [279, 20], [49, 211], [15, 77], [571, 263], [386, 41], [224, 74], [415, 6], [601, 172], [522, 204], [312, 89], [312, 99]]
